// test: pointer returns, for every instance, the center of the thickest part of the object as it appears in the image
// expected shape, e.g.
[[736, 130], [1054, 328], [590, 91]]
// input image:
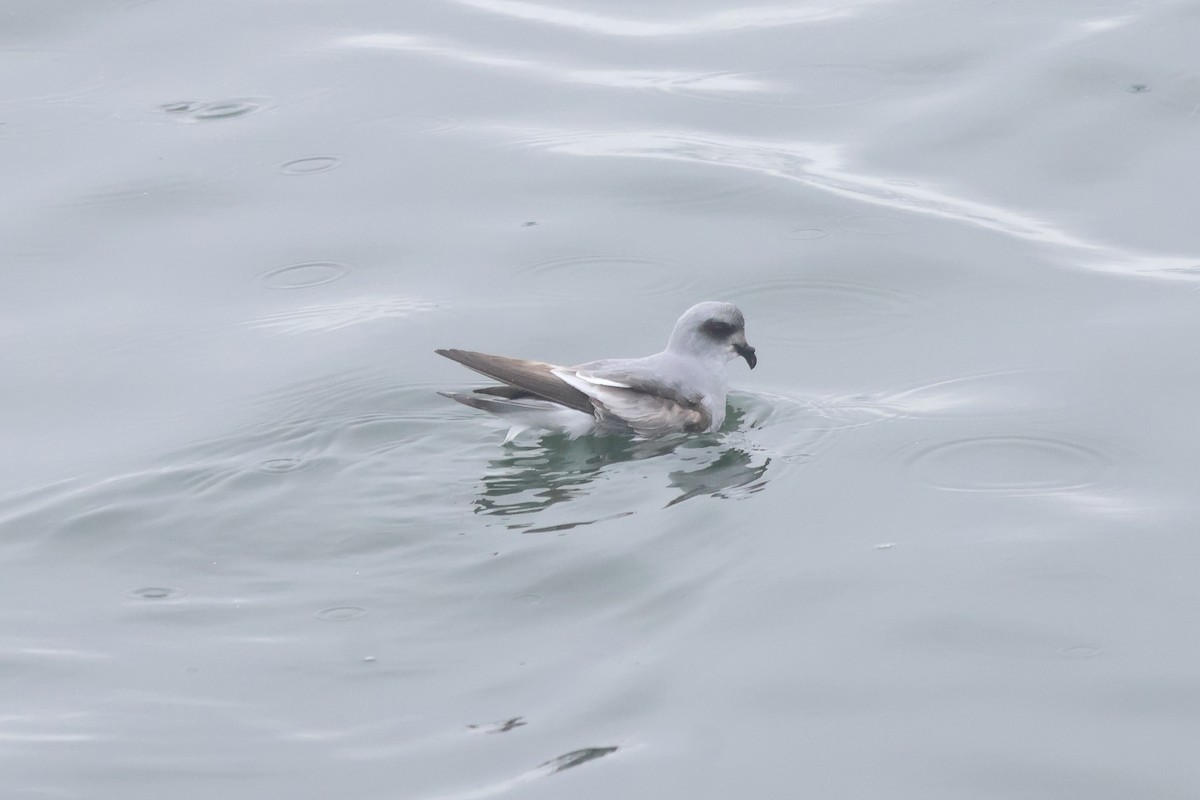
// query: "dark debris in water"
[[499, 727], [576, 757]]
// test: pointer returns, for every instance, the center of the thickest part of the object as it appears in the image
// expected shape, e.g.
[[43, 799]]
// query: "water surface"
[[944, 546]]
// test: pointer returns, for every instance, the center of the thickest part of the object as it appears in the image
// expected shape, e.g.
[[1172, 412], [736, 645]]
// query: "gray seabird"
[[681, 389]]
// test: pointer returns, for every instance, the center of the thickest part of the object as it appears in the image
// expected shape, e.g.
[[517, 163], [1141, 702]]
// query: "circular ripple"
[[873, 225], [807, 233], [309, 165], [341, 613], [155, 593], [827, 310], [283, 465], [226, 109], [1009, 464], [228, 88], [216, 110], [305, 275], [979, 395], [606, 276]]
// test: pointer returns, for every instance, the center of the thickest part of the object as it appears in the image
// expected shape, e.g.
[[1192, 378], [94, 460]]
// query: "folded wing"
[[529, 377], [616, 395], [627, 397]]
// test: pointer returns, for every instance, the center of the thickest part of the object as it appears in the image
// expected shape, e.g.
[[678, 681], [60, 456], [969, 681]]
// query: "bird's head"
[[710, 328]]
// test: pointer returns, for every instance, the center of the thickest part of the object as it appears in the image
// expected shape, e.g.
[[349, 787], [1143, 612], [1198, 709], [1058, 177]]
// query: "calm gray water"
[[945, 547]]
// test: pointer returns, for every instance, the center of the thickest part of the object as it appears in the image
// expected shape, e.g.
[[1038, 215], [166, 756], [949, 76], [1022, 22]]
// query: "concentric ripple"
[[281, 466], [1010, 464], [214, 110], [980, 395], [305, 275], [309, 165], [606, 276], [804, 234], [360, 440], [227, 88], [829, 310]]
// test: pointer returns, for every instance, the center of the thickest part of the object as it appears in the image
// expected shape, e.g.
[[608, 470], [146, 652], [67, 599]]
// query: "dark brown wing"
[[534, 377]]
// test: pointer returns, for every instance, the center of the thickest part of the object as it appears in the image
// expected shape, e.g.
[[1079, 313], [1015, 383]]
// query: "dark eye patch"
[[717, 329]]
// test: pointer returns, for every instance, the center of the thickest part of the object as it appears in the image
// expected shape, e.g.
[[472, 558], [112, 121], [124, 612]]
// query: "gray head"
[[712, 327]]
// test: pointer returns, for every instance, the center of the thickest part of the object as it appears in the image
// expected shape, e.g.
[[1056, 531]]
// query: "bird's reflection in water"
[[555, 469], [733, 469]]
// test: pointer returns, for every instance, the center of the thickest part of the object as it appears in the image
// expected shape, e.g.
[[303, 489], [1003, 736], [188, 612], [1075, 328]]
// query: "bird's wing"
[[534, 377], [632, 395]]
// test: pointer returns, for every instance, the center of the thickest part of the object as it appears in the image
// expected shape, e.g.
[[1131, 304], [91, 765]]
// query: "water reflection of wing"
[[733, 469], [557, 470]]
